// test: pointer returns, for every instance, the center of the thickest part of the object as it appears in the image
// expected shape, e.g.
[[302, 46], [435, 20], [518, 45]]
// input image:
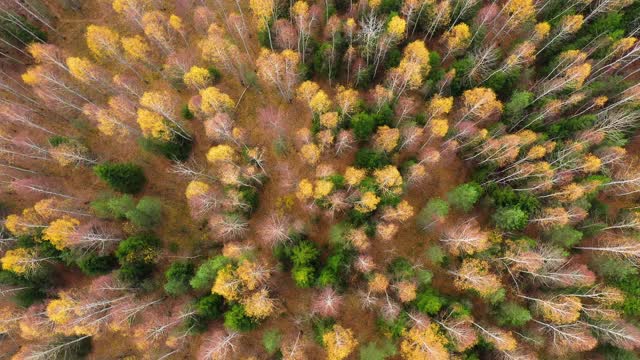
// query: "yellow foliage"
[[347, 99], [576, 75], [31, 76], [175, 22], [80, 68], [259, 305], [322, 188], [520, 11], [621, 46], [136, 47], [329, 120], [153, 125], [474, 274], [339, 343], [227, 284], [406, 291], [386, 138], [536, 152], [388, 177], [102, 41], [439, 127], [541, 31], [214, 100], [439, 106], [220, 153], [353, 176], [59, 231], [196, 188], [310, 153], [572, 23], [307, 90], [396, 27], [560, 310], [481, 102], [300, 8], [424, 343], [591, 163], [16, 260], [305, 189], [60, 311], [320, 102], [196, 77], [262, 10], [368, 202], [458, 38]]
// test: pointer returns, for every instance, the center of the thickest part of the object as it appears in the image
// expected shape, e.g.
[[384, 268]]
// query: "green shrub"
[[375, 351], [271, 340], [304, 276], [304, 253], [434, 210], [186, 113], [436, 255], [236, 319], [513, 315], [514, 109], [215, 74], [178, 276], [401, 269], [176, 149], [123, 177]]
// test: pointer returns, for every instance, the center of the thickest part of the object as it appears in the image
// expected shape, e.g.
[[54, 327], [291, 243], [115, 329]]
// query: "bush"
[[17, 27], [510, 219], [123, 177], [176, 149], [464, 196], [178, 276], [207, 272], [113, 207], [429, 301], [215, 74], [304, 253], [94, 265], [210, 307], [430, 213], [304, 276], [512, 314], [146, 214], [236, 319], [271, 340], [186, 113]]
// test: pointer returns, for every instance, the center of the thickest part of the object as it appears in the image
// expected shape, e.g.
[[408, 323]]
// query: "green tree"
[[237, 320], [363, 126], [123, 177], [464, 196], [146, 214], [435, 210], [178, 276], [113, 207], [207, 272], [512, 314], [429, 301], [271, 341], [510, 219]]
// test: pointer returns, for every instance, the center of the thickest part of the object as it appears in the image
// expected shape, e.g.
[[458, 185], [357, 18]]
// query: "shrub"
[[512, 314], [304, 276], [401, 269], [429, 301], [113, 207], [176, 149], [13, 26], [236, 319], [271, 341], [215, 74], [510, 219], [304, 253], [464, 196], [207, 272], [178, 276], [123, 177], [146, 214], [430, 213], [186, 113]]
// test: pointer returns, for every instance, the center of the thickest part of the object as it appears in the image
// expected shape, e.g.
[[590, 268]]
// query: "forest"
[[319, 179]]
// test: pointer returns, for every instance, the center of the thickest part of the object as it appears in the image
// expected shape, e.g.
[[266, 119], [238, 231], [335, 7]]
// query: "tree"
[[421, 343], [178, 276], [281, 70], [457, 39], [339, 342], [475, 274], [207, 272], [464, 196], [213, 101], [146, 214], [123, 177], [513, 315], [510, 219], [236, 319]]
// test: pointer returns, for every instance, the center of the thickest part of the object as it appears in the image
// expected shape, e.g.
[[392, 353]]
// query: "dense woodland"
[[263, 179]]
